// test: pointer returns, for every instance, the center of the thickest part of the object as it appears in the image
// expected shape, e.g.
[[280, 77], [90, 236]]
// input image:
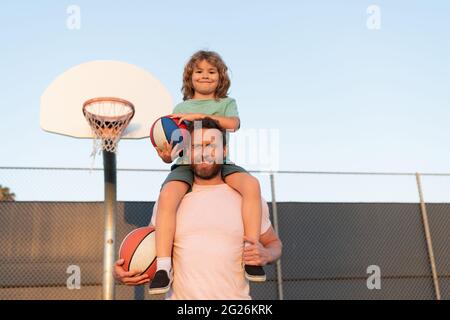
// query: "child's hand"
[[188, 116], [256, 254], [168, 154]]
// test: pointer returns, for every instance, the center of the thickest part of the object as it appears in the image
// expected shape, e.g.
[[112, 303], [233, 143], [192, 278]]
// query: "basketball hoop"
[[108, 117], [105, 120]]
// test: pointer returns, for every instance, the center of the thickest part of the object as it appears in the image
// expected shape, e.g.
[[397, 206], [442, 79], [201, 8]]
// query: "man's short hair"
[[208, 123]]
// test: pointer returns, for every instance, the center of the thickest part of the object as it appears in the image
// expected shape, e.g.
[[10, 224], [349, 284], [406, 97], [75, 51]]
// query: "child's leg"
[[248, 187], [168, 202], [176, 185]]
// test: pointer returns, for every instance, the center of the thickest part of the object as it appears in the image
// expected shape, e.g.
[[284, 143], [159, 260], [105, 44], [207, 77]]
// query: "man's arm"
[[272, 243], [267, 250]]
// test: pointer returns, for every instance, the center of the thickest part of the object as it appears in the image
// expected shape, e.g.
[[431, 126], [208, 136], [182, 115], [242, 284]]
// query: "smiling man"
[[208, 251]]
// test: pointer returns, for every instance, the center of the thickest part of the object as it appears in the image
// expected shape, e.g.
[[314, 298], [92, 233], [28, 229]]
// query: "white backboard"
[[62, 102]]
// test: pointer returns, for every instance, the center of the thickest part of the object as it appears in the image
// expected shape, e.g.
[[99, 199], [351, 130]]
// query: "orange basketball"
[[138, 249]]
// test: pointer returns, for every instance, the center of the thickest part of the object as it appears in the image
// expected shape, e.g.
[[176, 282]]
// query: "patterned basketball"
[[166, 129]]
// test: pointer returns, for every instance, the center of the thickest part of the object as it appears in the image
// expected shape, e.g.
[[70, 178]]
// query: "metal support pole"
[[426, 226], [109, 167], [275, 223]]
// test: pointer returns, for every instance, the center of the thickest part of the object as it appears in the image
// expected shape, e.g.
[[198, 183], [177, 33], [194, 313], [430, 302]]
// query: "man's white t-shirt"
[[208, 245]]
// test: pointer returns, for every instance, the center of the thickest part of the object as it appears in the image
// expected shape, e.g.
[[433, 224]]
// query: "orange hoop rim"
[[108, 99]]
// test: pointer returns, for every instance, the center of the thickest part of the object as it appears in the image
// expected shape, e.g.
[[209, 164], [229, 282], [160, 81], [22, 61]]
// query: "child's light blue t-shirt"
[[224, 107]]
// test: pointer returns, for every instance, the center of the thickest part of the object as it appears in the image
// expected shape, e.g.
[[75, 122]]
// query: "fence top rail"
[[252, 171]]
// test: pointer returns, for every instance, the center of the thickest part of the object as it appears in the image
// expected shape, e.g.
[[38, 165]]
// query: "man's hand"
[[256, 254], [130, 278]]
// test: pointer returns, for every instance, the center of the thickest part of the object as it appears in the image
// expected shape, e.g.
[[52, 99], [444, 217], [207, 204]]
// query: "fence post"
[[275, 223], [426, 226]]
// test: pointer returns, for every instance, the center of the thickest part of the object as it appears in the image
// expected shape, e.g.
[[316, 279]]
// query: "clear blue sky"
[[343, 97]]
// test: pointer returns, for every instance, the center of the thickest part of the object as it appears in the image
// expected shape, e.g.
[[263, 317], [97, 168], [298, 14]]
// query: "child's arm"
[[229, 123]]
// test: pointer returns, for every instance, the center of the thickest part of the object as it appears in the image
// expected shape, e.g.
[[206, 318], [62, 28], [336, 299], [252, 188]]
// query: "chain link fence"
[[336, 249]]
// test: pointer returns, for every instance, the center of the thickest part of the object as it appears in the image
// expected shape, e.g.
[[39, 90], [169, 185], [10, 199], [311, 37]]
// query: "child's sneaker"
[[255, 273], [161, 282]]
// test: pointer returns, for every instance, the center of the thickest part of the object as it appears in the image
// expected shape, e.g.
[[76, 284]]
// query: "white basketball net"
[[108, 118]]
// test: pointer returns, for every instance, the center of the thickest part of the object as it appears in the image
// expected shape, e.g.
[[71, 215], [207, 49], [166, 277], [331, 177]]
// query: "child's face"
[[205, 78]]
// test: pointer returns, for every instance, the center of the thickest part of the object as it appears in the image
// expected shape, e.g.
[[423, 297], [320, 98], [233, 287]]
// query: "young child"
[[205, 88]]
